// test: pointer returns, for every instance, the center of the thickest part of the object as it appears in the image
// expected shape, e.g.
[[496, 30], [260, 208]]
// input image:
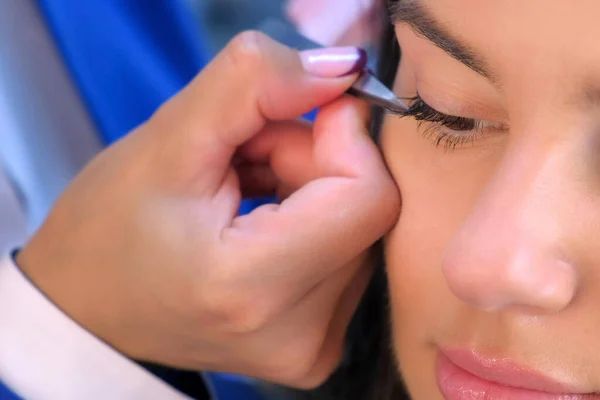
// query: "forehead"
[[527, 40], [542, 13], [539, 25]]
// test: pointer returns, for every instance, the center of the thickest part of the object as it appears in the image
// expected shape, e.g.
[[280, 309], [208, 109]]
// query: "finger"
[[364, 113], [257, 180], [330, 220], [300, 332], [253, 80], [287, 147], [259, 148], [335, 341], [284, 191], [261, 181]]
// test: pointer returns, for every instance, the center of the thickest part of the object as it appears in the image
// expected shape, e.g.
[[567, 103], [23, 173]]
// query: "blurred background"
[[222, 19], [69, 87]]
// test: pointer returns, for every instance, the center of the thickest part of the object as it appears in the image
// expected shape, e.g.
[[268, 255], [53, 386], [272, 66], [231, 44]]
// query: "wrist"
[[38, 269], [51, 275]]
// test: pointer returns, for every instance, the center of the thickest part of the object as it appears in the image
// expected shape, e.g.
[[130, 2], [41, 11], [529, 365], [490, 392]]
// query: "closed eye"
[[447, 130]]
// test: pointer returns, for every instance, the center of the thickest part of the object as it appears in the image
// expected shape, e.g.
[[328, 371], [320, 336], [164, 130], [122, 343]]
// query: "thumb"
[[351, 204], [253, 80]]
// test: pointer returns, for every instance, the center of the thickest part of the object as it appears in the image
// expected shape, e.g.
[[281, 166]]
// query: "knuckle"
[[234, 314], [304, 365], [247, 51], [320, 372], [394, 201], [292, 372], [230, 306], [314, 381], [386, 202], [248, 320]]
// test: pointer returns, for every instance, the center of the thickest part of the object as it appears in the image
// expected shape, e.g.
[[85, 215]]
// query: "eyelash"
[[448, 131]]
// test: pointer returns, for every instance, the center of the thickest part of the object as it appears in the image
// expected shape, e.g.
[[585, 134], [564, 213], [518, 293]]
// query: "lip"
[[463, 375]]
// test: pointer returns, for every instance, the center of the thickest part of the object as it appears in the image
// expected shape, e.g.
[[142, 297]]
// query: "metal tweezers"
[[366, 87]]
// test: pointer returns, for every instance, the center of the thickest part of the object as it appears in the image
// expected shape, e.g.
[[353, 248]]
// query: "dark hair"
[[368, 370]]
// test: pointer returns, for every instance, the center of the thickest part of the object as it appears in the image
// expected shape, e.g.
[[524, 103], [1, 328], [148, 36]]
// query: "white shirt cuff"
[[44, 355]]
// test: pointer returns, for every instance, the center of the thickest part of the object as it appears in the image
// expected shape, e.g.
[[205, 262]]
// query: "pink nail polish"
[[333, 62]]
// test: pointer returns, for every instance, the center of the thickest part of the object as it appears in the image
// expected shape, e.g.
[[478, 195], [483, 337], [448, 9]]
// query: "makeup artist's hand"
[[145, 250]]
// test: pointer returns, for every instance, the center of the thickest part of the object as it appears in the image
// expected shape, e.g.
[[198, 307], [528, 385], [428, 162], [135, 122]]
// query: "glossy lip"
[[498, 375]]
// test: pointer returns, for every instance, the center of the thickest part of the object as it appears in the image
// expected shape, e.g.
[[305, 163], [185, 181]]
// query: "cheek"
[[439, 188]]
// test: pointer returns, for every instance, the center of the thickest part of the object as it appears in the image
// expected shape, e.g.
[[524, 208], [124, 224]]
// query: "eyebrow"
[[422, 22]]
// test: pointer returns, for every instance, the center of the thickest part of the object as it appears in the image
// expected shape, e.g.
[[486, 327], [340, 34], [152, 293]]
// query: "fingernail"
[[334, 62]]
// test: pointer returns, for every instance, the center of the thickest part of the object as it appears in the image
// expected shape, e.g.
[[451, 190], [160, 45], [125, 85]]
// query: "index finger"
[[254, 79]]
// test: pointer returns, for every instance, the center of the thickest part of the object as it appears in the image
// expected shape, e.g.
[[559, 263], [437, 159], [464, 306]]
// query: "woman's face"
[[494, 264]]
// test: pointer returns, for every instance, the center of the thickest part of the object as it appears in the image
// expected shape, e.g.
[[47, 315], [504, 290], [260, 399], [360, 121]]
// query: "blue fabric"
[[127, 57], [230, 387], [6, 394]]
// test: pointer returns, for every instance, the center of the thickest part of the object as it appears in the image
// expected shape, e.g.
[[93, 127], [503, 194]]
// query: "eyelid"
[[450, 121], [448, 131], [481, 123], [454, 101]]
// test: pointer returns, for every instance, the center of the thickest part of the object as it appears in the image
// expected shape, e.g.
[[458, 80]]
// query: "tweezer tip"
[[396, 105]]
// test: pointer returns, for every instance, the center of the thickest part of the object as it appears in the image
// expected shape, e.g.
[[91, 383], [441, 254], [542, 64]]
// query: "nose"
[[511, 251]]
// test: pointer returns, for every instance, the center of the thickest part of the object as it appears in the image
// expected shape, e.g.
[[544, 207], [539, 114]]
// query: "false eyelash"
[[460, 130], [421, 111]]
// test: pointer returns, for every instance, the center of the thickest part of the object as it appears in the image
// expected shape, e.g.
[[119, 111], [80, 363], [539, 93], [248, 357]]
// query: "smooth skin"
[[145, 248], [496, 248]]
